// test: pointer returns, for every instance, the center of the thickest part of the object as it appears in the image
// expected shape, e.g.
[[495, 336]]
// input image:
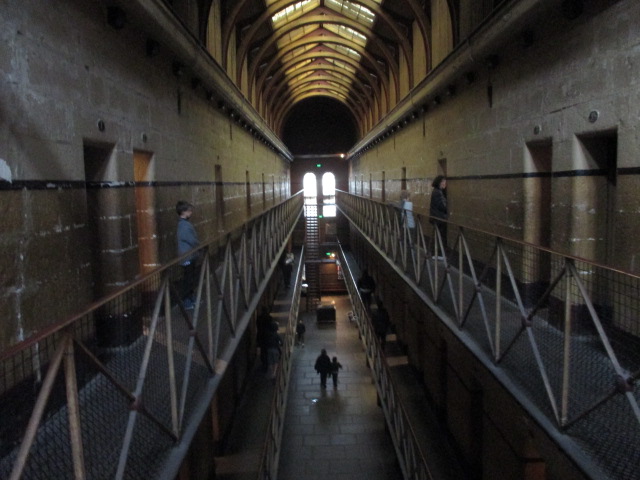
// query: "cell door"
[[145, 211]]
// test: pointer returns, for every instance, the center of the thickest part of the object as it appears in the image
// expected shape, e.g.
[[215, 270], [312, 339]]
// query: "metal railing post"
[[73, 404], [566, 353], [498, 326]]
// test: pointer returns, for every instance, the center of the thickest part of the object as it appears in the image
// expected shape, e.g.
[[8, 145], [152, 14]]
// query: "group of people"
[[268, 338], [187, 239], [438, 209], [325, 366]]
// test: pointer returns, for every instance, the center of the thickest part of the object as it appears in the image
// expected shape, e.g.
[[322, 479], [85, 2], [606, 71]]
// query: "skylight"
[[347, 32], [355, 12], [292, 11], [342, 11], [349, 52], [295, 34]]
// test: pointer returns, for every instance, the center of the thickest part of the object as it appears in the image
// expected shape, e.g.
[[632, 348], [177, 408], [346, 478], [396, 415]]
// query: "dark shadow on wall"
[[319, 126]]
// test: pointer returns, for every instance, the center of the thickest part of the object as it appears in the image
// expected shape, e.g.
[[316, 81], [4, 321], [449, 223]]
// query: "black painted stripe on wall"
[[507, 176], [78, 184], [566, 173]]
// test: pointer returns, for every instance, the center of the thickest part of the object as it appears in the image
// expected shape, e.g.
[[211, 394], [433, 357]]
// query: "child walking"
[[335, 366]]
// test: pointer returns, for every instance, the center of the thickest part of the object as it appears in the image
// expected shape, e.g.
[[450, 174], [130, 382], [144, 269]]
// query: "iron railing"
[[119, 390], [272, 447], [564, 331], [407, 446]]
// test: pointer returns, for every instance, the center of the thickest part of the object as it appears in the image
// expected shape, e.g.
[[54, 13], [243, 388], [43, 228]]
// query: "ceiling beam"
[[314, 55], [383, 78]]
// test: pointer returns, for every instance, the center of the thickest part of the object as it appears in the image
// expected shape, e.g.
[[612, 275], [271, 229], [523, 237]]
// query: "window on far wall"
[[329, 195]]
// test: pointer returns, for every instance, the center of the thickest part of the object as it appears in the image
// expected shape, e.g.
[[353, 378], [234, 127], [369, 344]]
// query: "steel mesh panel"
[[104, 418], [150, 448], [610, 439], [50, 456]]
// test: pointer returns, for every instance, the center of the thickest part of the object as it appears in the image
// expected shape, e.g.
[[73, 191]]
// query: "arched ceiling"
[[286, 51]]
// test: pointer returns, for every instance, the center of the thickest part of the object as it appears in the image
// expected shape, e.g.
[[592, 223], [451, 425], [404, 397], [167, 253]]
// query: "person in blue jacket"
[[187, 239]]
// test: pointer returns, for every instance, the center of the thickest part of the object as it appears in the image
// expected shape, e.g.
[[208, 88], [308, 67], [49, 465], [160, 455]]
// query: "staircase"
[[312, 256]]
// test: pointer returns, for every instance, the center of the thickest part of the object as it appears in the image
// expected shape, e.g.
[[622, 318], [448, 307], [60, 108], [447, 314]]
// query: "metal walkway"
[[75, 408], [563, 343]]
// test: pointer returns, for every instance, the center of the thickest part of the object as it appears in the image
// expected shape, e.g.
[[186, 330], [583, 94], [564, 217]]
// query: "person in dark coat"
[[323, 367], [366, 287], [263, 326], [438, 207], [381, 322], [300, 329], [273, 344]]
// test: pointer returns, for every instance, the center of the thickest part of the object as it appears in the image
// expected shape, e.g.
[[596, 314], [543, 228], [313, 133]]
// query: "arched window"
[[310, 189], [329, 195]]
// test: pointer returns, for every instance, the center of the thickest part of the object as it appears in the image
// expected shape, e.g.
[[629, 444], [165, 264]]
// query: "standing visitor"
[[187, 239], [381, 322], [273, 344], [366, 287], [286, 266], [438, 209], [406, 207], [263, 327]]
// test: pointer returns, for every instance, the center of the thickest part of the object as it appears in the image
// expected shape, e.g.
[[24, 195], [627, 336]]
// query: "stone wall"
[[98, 140], [562, 109]]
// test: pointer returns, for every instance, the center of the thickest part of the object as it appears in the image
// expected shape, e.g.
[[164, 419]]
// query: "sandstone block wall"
[[84, 110], [484, 135]]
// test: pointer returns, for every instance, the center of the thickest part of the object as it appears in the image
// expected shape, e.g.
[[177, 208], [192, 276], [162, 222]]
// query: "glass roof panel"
[[352, 10], [293, 35], [349, 52], [292, 11], [347, 32], [298, 51]]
